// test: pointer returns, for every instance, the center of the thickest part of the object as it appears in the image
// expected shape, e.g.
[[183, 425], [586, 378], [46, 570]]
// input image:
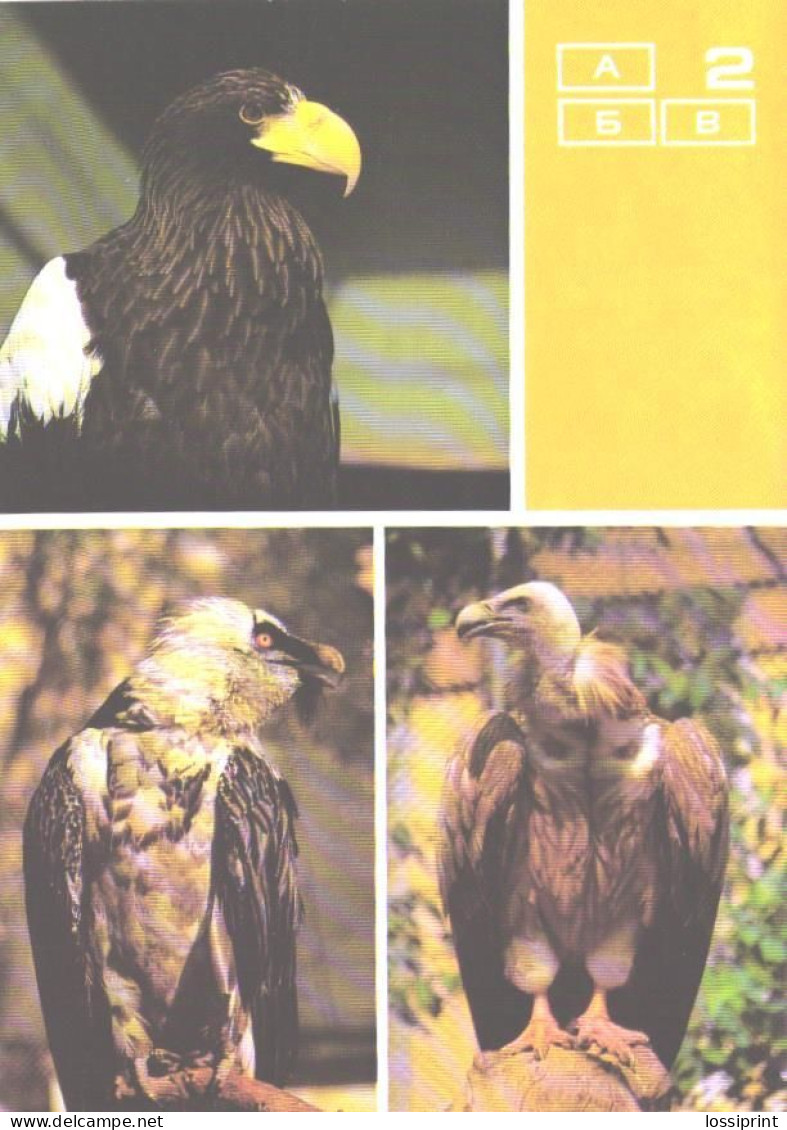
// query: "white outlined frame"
[[694, 142], [606, 142], [649, 47]]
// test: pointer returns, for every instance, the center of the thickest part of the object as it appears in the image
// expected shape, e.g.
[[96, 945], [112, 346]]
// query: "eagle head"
[[235, 126], [220, 663]]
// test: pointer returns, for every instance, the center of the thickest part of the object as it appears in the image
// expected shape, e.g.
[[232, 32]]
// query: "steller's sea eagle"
[[583, 846], [159, 864], [183, 361]]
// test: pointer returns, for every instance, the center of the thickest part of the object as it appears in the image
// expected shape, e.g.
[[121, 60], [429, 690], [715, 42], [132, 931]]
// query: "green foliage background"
[[694, 649]]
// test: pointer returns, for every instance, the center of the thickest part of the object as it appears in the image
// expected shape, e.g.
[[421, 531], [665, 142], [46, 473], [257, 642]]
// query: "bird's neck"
[[198, 690], [215, 231], [588, 682], [543, 671]]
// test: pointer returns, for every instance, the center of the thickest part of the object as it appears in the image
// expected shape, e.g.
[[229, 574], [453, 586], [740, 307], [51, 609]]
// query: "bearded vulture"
[[583, 846], [159, 864], [183, 361]]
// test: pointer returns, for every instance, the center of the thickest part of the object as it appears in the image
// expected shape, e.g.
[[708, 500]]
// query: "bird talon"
[[607, 1041], [162, 1062], [122, 1089], [538, 1038], [221, 1072]]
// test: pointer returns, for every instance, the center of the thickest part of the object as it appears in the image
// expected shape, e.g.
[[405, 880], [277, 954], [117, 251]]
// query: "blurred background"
[[702, 614], [416, 259], [78, 610]]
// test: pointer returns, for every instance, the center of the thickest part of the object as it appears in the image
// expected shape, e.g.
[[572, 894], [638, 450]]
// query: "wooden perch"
[[195, 1089], [566, 1080]]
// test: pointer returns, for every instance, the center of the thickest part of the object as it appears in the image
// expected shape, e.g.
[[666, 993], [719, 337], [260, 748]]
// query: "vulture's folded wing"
[[485, 785], [76, 1015], [254, 854], [690, 836]]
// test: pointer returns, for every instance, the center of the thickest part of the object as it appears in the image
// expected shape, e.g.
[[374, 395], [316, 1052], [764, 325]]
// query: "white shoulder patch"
[[649, 753], [44, 358]]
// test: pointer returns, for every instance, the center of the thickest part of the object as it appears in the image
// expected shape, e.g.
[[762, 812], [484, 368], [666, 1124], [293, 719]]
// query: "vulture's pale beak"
[[476, 620]]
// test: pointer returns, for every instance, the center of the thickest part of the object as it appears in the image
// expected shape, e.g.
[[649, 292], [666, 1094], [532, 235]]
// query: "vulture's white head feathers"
[[219, 663]]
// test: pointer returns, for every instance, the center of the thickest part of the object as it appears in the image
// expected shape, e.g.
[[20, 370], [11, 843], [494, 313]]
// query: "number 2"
[[728, 75]]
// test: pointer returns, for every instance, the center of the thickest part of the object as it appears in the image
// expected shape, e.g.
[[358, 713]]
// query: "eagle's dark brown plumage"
[[583, 846], [183, 361], [159, 863]]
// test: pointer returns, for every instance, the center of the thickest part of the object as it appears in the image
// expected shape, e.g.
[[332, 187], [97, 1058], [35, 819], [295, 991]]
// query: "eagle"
[[159, 864], [583, 843], [183, 361]]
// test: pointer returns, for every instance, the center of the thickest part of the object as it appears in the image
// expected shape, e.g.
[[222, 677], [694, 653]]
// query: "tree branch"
[[195, 1089], [566, 1080]]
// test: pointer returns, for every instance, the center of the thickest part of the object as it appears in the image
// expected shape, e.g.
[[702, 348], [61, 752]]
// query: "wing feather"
[[691, 838], [254, 874], [483, 791], [75, 1013]]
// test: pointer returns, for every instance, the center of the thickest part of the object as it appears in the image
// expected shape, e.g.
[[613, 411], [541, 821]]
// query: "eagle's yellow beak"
[[313, 136]]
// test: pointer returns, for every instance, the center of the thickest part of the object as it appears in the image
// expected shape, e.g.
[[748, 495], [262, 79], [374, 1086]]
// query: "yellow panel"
[[655, 272]]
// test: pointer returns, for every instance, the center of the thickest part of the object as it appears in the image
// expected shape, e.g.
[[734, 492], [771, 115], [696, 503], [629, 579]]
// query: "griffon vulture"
[[583, 846]]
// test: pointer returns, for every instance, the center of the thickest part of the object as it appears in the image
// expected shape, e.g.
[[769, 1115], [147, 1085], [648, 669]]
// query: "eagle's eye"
[[252, 112], [263, 640]]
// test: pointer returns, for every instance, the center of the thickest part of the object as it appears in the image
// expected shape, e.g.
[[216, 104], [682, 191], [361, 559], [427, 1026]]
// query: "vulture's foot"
[[605, 1040], [152, 1075], [541, 1034], [163, 1062], [135, 1082], [221, 1071], [123, 1089]]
